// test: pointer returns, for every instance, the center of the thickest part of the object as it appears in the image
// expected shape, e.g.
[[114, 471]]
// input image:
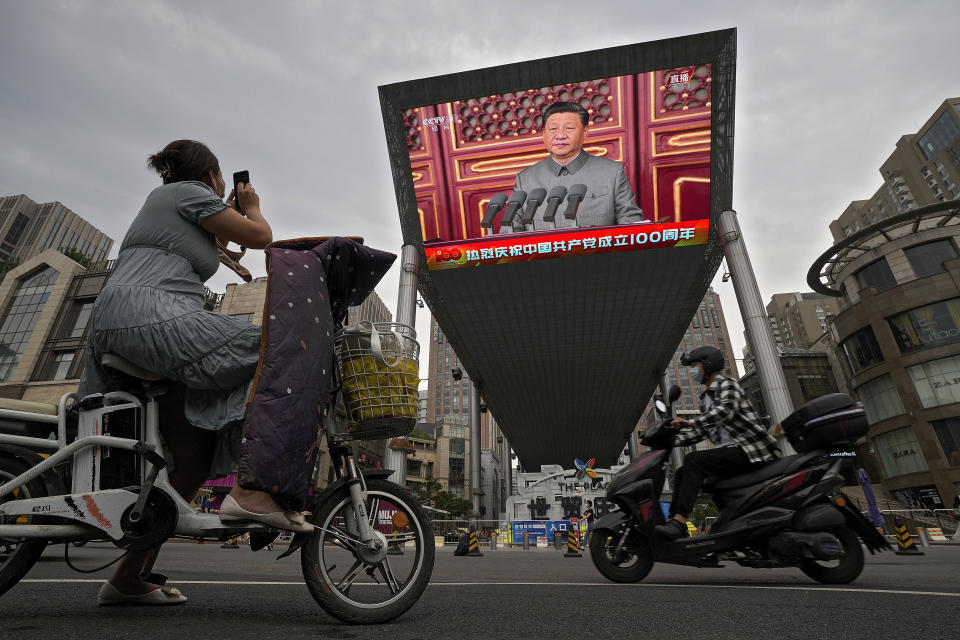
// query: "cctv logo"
[[446, 255], [436, 122]]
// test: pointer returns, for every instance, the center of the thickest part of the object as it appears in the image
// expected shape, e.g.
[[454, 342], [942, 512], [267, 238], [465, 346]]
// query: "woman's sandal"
[[111, 596], [230, 511]]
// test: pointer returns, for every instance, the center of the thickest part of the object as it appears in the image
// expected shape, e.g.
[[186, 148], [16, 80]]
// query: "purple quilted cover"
[[310, 285]]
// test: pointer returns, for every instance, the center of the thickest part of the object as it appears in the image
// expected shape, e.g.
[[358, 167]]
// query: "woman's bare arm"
[[249, 229]]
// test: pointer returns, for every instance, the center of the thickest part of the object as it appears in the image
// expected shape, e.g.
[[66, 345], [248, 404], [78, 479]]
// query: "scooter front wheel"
[[632, 564], [355, 583]]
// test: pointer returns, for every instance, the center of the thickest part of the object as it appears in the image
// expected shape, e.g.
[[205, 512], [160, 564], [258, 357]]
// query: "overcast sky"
[[288, 90]]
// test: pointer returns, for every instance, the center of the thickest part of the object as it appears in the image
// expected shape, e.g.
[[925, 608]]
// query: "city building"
[[809, 374], [28, 228], [707, 327], [895, 274], [45, 305], [800, 318], [923, 169], [448, 406]]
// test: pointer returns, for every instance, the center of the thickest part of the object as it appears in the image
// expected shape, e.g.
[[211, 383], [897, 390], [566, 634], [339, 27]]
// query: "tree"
[[431, 492], [449, 502], [77, 256]]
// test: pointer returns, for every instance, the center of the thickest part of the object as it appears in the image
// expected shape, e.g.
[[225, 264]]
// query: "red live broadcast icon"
[[445, 255]]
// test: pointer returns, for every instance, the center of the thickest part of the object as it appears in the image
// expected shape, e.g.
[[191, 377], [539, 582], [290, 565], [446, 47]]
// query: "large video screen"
[[589, 166]]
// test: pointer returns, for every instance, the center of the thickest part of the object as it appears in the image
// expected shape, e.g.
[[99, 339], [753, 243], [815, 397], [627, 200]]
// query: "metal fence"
[[945, 519], [452, 530]]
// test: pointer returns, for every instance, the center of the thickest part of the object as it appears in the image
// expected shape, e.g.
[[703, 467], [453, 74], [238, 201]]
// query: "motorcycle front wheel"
[[361, 586], [842, 570], [633, 563]]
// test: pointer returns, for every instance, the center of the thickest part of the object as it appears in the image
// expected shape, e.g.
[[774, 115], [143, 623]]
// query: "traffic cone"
[[393, 547], [573, 545], [473, 547], [905, 544]]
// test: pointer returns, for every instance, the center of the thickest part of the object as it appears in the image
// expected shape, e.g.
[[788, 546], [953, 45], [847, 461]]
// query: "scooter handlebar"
[[659, 436]]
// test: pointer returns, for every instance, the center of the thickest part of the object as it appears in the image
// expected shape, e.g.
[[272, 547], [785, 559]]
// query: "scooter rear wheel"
[[842, 570], [632, 565], [18, 556]]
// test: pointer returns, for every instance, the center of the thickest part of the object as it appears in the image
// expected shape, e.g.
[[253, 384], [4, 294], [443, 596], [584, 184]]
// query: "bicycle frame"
[[106, 507]]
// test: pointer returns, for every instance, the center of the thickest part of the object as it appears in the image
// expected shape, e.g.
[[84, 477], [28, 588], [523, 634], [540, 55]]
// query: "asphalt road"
[[505, 594]]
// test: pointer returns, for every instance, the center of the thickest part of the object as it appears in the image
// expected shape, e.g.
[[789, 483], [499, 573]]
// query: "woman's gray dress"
[[151, 313]]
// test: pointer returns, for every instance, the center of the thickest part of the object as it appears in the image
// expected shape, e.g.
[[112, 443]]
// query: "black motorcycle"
[[788, 513]]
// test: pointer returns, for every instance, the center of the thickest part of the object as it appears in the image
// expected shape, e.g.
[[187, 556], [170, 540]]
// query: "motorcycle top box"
[[829, 420]]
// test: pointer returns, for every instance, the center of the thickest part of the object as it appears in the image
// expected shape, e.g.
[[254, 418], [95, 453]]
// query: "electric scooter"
[[788, 513]]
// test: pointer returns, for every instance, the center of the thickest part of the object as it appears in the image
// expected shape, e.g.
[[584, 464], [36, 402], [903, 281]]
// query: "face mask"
[[698, 378]]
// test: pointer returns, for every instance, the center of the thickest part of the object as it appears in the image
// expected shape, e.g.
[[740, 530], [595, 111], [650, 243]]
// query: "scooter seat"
[[778, 467], [115, 362]]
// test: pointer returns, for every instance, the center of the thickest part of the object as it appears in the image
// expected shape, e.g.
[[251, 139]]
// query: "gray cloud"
[[289, 91]]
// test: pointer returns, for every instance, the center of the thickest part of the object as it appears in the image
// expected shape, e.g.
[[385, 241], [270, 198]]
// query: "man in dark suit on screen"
[[609, 199]]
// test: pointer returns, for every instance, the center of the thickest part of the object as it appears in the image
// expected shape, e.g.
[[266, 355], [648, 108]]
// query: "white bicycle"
[[367, 562]]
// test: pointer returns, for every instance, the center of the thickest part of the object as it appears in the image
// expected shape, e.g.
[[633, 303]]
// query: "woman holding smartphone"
[[151, 312]]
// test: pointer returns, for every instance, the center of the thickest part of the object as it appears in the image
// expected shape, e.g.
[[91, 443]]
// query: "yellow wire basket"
[[379, 369]]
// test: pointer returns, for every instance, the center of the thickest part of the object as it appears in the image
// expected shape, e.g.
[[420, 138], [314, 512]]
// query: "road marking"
[[648, 585]]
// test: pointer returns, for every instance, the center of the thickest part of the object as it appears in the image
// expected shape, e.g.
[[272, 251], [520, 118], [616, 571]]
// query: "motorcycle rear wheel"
[[842, 570], [18, 556], [632, 567]]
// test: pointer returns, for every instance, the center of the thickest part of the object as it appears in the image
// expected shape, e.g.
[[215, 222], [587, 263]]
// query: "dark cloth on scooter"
[[699, 465], [311, 283]]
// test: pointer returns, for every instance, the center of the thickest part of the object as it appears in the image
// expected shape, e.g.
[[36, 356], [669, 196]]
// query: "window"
[[876, 275], [940, 134], [80, 324], [61, 365], [937, 382], [948, 433], [928, 258], [20, 317], [880, 399], [862, 350], [16, 229], [929, 326], [900, 452]]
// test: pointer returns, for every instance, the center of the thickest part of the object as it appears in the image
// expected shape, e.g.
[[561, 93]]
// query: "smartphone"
[[239, 177]]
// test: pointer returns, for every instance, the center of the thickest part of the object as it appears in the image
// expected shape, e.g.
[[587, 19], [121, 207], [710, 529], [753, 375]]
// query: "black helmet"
[[711, 357]]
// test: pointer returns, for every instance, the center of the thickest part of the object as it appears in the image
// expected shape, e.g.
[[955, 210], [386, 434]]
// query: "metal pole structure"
[[773, 384], [476, 486], [510, 469], [632, 445], [396, 459]]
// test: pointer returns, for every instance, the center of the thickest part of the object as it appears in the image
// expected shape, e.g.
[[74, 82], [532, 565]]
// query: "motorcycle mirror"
[[661, 407], [673, 394]]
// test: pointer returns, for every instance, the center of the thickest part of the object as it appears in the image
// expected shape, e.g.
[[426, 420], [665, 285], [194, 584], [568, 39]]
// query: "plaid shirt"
[[731, 410]]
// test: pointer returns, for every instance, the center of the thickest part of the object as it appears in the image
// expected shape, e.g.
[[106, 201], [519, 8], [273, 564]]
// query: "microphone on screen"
[[534, 200], [554, 198], [493, 208], [574, 198], [513, 204]]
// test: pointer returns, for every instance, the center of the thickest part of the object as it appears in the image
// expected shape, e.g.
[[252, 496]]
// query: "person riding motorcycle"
[[729, 421]]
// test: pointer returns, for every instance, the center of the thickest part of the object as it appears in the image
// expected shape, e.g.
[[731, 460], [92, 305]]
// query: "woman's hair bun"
[[183, 160]]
